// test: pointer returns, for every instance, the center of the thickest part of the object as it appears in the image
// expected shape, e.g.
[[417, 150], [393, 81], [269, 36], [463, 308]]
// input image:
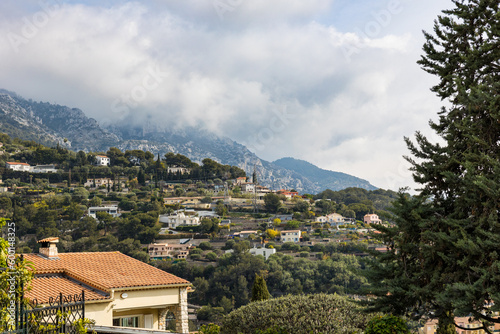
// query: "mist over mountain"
[[53, 124]]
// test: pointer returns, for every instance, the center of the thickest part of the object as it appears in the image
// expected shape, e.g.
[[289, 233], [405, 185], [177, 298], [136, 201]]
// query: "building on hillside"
[[178, 170], [239, 181], [371, 218], [246, 234], [332, 219], [98, 182], [179, 219], [288, 194], [44, 169], [113, 210], [265, 252], [168, 250], [472, 326], [18, 166], [248, 188], [120, 291], [102, 160], [290, 236]]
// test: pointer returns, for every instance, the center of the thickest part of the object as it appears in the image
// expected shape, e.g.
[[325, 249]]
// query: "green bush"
[[298, 314], [387, 324]]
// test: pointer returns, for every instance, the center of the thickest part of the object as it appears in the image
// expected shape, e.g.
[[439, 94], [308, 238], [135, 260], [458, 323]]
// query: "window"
[[131, 321]]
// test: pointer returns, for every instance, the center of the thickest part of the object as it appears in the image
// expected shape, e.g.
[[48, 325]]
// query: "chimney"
[[48, 248]]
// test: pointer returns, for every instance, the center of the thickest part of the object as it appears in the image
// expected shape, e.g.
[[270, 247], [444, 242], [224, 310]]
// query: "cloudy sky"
[[333, 82]]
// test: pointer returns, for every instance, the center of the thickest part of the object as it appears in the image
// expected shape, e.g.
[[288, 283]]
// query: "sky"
[[332, 82]]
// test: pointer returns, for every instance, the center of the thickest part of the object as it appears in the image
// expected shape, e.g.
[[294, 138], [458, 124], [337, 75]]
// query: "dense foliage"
[[299, 314], [443, 252]]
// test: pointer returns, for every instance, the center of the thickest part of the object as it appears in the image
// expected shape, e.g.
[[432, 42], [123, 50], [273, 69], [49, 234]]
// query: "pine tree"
[[443, 253], [259, 289]]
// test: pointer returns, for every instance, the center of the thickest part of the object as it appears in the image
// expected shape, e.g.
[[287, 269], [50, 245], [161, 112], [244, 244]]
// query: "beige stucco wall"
[[138, 302], [145, 298], [102, 313]]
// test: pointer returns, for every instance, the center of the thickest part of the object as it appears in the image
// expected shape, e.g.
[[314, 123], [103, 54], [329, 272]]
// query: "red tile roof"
[[18, 163], [105, 270], [45, 287]]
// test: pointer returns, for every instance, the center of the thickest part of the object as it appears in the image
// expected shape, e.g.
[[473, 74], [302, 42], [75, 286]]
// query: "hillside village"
[[189, 220]]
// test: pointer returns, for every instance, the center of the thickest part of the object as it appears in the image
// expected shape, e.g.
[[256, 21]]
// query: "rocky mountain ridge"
[[51, 123]]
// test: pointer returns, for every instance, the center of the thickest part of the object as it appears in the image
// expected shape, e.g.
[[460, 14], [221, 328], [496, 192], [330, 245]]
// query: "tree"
[[272, 202], [259, 289], [445, 243]]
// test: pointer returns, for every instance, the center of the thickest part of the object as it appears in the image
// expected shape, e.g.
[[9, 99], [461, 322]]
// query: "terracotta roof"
[[53, 239], [104, 270], [101, 156], [45, 287], [18, 163]]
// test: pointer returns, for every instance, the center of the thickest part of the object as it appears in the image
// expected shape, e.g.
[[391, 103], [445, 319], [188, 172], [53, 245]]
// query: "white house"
[[18, 166], [248, 188], [332, 218], [179, 219], [290, 236], [265, 252], [112, 210], [102, 160], [44, 169], [177, 169]]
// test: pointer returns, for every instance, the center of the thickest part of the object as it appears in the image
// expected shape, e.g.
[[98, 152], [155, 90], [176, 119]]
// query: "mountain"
[[52, 124], [323, 178]]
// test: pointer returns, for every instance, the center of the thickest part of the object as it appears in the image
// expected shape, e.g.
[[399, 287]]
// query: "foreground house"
[[120, 291]]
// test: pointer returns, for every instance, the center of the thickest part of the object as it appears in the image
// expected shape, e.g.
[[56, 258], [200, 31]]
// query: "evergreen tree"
[[259, 289], [442, 257]]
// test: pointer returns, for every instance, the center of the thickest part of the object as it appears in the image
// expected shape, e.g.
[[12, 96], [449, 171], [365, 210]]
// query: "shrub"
[[298, 314], [387, 324]]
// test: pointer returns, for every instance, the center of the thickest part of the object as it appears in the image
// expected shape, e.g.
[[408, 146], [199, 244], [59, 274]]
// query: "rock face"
[[50, 124]]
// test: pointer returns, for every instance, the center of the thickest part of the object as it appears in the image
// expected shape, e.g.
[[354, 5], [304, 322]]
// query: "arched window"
[[170, 321]]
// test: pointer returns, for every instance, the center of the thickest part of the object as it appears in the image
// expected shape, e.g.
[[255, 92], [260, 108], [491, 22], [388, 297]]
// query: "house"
[[178, 170], [246, 234], [288, 194], [265, 252], [240, 180], [120, 291], [371, 218], [111, 209], [99, 182], [471, 325], [179, 219], [165, 250], [332, 219], [290, 236], [44, 169], [102, 160], [248, 188], [18, 166]]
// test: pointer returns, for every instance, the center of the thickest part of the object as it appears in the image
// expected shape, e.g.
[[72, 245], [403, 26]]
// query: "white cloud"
[[350, 93]]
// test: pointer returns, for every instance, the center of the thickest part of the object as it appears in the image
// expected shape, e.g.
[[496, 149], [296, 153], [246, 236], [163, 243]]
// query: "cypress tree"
[[259, 289], [443, 252]]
